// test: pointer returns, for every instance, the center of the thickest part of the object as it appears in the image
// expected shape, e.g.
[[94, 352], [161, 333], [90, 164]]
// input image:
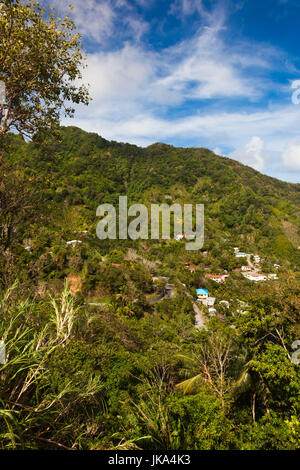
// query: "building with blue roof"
[[202, 293]]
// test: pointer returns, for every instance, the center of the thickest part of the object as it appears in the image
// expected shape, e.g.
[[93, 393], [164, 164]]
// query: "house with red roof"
[[246, 268], [216, 277]]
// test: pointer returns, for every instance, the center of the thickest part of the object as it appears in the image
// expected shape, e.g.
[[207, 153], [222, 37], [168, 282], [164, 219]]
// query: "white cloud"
[[93, 19], [252, 154], [203, 67], [145, 3], [291, 156], [185, 8], [137, 26], [99, 20], [140, 80], [119, 75], [137, 91]]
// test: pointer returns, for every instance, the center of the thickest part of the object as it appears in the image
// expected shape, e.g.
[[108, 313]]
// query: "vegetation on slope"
[[100, 363]]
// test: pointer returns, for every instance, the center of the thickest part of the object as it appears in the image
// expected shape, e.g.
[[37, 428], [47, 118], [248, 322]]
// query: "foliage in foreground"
[[79, 379]]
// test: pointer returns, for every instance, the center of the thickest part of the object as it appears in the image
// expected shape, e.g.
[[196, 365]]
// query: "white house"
[[212, 311], [209, 301], [202, 294], [246, 268], [240, 254], [73, 243], [272, 276], [255, 277], [180, 236]]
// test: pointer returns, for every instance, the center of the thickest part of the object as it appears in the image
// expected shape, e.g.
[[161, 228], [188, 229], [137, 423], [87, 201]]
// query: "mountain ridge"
[[83, 169]]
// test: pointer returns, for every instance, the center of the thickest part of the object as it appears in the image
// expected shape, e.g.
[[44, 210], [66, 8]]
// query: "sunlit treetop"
[[40, 64]]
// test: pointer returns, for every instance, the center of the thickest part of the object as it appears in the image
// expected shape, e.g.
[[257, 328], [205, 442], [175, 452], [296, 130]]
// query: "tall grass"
[[33, 407]]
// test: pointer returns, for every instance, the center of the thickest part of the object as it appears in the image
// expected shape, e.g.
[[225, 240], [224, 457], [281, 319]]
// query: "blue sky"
[[217, 74]]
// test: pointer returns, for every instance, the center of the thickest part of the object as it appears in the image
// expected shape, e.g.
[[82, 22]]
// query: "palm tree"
[[215, 365]]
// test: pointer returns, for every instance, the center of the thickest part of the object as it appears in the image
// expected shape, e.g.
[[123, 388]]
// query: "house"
[[192, 269], [73, 243], [255, 277], [256, 259], [179, 237], [216, 277], [210, 301], [202, 294], [186, 264], [246, 268], [212, 312], [272, 276], [116, 265], [203, 297], [240, 254], [242, 312], [276, 266], [236, 249]]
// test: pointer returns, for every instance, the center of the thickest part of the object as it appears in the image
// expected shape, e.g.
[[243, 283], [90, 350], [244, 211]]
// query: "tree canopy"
[[40, 64]]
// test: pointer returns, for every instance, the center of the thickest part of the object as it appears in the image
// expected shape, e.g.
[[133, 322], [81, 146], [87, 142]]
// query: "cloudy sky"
[[222, 74]]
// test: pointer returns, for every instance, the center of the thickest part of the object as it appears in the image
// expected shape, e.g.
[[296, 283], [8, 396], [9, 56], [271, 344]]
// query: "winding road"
[[199, 317]]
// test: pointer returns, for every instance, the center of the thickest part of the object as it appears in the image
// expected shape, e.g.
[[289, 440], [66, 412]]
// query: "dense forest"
[[102, 350]]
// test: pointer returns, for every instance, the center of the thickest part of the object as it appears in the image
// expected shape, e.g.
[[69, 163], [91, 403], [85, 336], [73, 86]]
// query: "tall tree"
[[40, 64], [40, 71]]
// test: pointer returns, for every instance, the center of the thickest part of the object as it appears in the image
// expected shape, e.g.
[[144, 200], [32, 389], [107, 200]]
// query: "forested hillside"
[[104, 348]]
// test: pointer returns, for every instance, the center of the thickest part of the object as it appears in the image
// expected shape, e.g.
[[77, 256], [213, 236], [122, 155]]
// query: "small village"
[[251, 272]]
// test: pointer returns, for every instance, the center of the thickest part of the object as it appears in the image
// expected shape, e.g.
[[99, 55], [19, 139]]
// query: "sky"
[[221, 74]]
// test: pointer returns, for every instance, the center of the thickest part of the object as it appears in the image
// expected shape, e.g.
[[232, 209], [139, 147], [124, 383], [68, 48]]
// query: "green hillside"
[[84, 170], [116, 358]]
